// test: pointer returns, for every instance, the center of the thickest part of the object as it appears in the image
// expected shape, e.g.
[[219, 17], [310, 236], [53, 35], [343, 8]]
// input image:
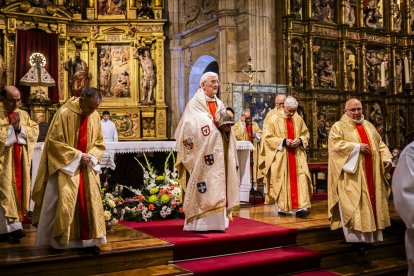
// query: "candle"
[[383, 74], [406, 70]]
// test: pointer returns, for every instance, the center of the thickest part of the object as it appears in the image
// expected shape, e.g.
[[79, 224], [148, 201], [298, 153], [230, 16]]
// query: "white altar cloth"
[[112, 148]]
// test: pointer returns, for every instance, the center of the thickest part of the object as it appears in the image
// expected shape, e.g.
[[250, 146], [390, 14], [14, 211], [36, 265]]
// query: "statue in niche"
[[148, 79], [323, 10], [296, 57], [396, 15], [105, 73], [121, 89], [323, 131], [325, 75], [350, 70], [349, 14], [144, 10], [372, 14], [411, 16], [398, 73], [296, 8], [377, 119], [78, 74], [373, 62]]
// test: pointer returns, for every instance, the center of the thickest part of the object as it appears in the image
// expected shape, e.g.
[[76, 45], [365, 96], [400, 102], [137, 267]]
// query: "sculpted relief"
[[324, 10], [197, 11], [350, 69], [373, 15], [349, 12], [324, 72], [376, 63], [296, 59]]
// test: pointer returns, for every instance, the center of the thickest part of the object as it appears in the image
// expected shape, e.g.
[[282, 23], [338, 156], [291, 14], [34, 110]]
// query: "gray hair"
[[291, 102], [91, 92], [206, 75]]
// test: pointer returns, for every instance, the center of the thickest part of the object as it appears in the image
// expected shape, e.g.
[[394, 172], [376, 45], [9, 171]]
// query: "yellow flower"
[[165, 198], [152, 198], [154, 190], [160, 178]]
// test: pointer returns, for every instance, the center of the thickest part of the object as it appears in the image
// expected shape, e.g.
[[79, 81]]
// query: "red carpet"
[[266, 262], [242, 235], [319, 196]]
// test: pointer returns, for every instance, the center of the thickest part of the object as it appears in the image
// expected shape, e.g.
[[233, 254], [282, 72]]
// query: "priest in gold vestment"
[[18, 136], [357, 188], [279, 105], [68, 206], [207, 160], [246, 131], [285, 141]]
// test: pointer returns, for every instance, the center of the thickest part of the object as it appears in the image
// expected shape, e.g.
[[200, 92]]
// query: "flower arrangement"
[[112, 204], [39, 97], [159, 199]]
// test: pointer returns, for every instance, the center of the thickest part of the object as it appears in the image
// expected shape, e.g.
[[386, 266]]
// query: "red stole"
[[292, 165], [82, 206], [17, 168], [213, 110], [249, 131], [369, 169]]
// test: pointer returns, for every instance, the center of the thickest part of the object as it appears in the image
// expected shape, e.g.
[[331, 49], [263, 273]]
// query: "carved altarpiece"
[[114, 33]]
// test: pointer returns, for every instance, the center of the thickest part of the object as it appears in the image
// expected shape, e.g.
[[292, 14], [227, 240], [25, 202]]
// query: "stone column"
[[227, 47]]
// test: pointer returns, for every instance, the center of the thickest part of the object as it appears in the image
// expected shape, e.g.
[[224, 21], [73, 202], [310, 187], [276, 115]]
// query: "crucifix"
[[250, 72]]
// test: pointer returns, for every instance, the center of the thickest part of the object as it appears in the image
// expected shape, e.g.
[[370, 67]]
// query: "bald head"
[[279, 101], [11, 98], [353, 109]]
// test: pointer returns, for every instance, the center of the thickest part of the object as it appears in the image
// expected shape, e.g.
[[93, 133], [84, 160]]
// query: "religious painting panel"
[[114, 69], [325, 64], [377, 70], [350, 69], [259, 98], [324, 11], [373, 14], [111, 9], [297, 57], [349, 11]]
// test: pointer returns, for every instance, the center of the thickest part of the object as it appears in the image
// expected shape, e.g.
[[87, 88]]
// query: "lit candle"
[[383, 74], [406, 70]]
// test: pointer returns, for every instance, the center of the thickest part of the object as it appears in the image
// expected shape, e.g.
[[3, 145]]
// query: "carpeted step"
[[242, 235], [266, 262], [316, 272]]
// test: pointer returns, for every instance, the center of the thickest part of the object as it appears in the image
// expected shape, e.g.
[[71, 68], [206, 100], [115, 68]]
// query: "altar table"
[[243, 154]]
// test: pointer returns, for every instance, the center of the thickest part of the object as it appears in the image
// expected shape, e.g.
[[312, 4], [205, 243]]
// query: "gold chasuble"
[[357, 189], [15, 162], [286, 168], [210, 159], [77, 218]]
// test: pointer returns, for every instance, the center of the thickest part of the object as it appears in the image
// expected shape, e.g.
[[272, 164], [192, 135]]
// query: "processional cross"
[[250, 72]]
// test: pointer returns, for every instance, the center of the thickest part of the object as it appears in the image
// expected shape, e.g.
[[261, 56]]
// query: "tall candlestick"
[[383, 74], [406, 70]]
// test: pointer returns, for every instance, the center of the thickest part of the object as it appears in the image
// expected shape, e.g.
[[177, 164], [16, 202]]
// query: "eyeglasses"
[[13, 100], [354, 109]]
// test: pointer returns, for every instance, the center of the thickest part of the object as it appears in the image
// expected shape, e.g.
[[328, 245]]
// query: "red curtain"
[[37, 41]]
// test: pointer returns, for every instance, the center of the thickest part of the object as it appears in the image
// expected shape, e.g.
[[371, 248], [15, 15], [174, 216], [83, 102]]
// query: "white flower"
[[174, 174], [152, 185], [168, 211], [176, 191], [109, 196], [146, 175]]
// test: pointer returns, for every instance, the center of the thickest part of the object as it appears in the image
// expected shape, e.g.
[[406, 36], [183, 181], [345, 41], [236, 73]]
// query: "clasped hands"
[[15, 122], [85, 160], [293, 143]]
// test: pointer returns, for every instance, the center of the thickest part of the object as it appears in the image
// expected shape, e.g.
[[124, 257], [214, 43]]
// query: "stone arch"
[[199, 68]]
